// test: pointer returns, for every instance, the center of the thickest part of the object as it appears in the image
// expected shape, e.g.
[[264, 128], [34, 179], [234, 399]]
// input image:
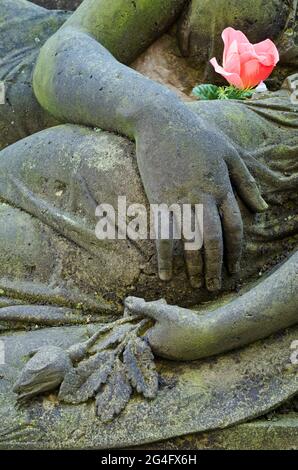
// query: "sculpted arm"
[[126, 27], [183, 334], [78, 80]]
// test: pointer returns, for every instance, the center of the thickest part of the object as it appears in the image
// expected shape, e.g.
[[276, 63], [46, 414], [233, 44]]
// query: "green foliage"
[[233, 93], [213, 92], [206, 92]]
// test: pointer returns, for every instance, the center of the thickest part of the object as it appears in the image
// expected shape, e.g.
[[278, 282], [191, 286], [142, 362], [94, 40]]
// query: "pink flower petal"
[[229, 35], [267, 52], [247, 50], [245, 65], [232, 63], [232, 78], [253, 72]]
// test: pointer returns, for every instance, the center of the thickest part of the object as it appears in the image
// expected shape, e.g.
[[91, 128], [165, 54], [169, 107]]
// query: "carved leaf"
[[139, 363], [115, 395], [82, 382], [113, 338]]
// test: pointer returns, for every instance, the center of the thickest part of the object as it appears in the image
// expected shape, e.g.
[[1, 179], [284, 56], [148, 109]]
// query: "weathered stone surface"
[[194, 397], [280, 433], [163, 62], [50, 185]]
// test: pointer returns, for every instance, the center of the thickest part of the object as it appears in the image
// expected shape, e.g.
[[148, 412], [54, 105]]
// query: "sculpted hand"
[[182, 334], [182, 161]]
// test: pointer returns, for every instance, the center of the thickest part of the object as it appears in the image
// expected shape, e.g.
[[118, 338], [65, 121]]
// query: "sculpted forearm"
[[126, 27], [78, 81]]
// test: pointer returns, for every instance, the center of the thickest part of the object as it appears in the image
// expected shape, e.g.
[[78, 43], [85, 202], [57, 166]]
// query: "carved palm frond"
[[107, 367]]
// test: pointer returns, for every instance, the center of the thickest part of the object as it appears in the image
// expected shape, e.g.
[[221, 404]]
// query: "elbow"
[[51, 72], [44, 78]]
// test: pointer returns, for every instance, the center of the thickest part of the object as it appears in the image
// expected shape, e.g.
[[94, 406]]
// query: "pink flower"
[[245, 65]]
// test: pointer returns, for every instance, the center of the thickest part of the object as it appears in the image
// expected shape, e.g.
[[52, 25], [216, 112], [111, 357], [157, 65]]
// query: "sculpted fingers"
[[164, 250], [233, 232], [192, 240], [213, 246], [245, 184], [194, 265], [163, 226]]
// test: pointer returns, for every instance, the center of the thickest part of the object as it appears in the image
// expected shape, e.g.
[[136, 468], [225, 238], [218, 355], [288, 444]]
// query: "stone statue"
[[72, 108]]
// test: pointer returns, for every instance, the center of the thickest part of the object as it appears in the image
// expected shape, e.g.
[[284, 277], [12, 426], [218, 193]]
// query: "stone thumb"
[[157, 310]]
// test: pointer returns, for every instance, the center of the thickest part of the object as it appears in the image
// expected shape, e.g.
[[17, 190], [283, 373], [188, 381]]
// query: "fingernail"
[[213, 284], [165, 275]]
